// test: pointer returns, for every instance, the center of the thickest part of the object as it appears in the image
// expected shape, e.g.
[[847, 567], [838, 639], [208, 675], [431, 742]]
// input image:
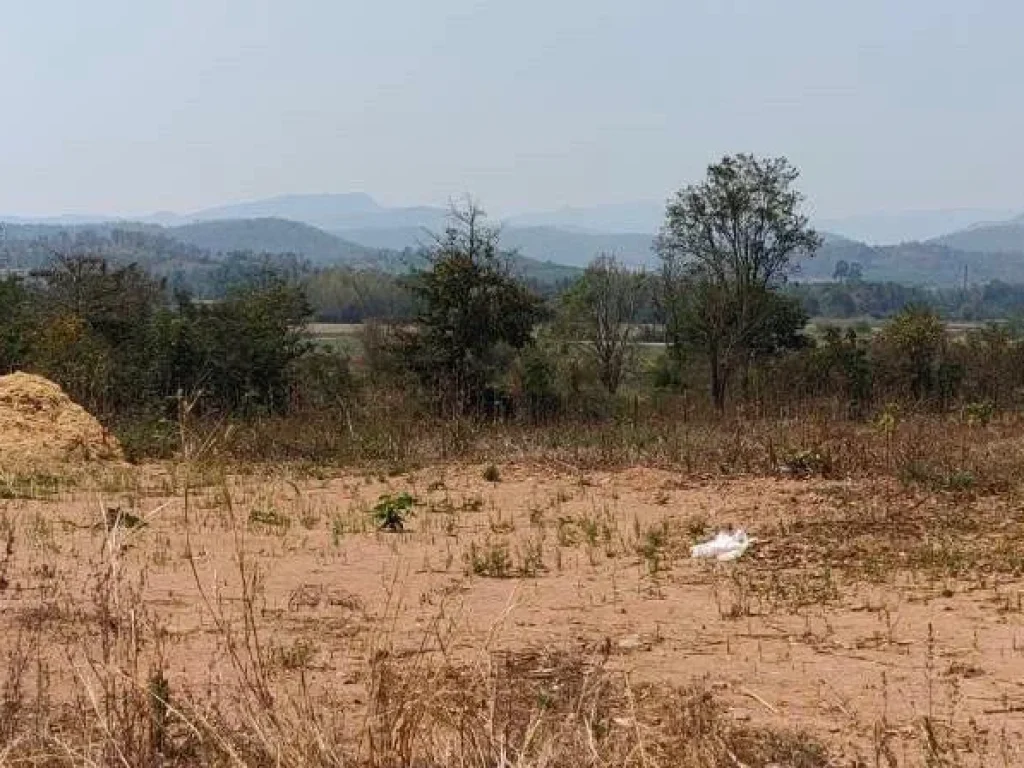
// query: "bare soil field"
[[868, 625]]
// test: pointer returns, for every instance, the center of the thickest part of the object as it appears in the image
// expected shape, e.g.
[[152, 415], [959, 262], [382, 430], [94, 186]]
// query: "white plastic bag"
[[725, 546]]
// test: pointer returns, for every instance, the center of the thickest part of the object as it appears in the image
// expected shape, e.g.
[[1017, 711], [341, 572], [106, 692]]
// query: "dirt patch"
[[40, 426], [548, 610]]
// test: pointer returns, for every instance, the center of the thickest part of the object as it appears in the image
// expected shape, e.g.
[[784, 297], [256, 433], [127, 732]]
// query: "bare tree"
[[608, 300], [727, 244]]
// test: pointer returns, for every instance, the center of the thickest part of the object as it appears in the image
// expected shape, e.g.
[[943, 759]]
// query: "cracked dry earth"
[[874, 617]]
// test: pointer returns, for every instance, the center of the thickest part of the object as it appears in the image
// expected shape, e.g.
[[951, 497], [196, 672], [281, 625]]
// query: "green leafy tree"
[[471, 307], [114, 301], [14, 324], [348, 295], [783, 328], [726, 245], [846, 364], [92, 324], [240, 353], [911, 352]]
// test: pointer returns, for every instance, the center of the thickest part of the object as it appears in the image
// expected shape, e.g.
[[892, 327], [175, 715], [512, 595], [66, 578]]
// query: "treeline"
[[338, 293], [344, 295], [844, 299], [911, 362], [34, 246], [115, 341], [353, 294], [733, 333], [464, 340]]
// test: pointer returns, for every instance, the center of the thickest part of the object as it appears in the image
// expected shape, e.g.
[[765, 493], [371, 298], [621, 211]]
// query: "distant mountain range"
[[359, 225], [637, 218], [979, 255], [570, 236], [893, 227], [164, 247], [355, 229]]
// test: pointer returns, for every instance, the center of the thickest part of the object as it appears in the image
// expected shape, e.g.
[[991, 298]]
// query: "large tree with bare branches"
[[606, 303]]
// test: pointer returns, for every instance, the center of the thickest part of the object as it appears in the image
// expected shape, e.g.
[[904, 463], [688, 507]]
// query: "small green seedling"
[[390, 512]]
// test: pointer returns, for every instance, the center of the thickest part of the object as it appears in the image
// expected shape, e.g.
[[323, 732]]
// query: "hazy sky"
[[122, 106]]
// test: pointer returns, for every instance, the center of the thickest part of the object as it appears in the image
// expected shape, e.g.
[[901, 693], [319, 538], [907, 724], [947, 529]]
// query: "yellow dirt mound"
[[40, 425]]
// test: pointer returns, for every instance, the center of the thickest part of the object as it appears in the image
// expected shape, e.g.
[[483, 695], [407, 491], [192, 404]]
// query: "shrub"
[[391, 512]]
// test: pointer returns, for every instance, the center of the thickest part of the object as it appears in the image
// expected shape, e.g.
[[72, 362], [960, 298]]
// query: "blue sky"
[[128, 107]]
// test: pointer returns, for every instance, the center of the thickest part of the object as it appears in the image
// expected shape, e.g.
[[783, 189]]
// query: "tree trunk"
[[718, 379], [746, 377]]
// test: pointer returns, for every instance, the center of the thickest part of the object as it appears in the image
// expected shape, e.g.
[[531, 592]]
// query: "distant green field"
[[330, 330], [816, 325], [343, 337]]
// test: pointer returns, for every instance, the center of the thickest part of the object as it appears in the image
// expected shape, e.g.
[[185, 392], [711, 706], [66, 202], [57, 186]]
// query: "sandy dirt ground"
[[863, 611]]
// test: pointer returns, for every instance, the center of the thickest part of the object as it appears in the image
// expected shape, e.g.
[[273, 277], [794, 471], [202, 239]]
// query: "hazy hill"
[[578, 248], [354, 229], [836, 248], [358, 211], [318, 210], [329, 212], [568, 236], [567, 247], [929, 263], [271, 236], [390, 238], [642, 217], [201, 244], [1005, 237], [57, 232], [324, 248], [347, 212], [892, 227]]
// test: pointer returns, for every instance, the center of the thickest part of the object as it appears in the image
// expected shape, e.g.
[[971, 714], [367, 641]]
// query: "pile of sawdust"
[[40, 426]]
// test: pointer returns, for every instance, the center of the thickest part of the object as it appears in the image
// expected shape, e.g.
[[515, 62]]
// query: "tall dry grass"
[[960, 450]]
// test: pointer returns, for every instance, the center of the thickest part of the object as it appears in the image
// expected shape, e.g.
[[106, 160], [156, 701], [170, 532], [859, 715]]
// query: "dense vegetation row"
[[466, 338]]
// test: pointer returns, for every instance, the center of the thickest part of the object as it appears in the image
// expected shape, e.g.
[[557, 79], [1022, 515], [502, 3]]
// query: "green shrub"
[[391, 512]]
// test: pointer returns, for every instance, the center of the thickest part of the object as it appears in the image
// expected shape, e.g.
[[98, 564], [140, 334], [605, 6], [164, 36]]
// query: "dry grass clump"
[[86, 683], [532, 709], [937, 533], [545, 707]]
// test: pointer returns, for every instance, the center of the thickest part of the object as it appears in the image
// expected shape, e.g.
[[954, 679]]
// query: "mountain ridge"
[[32, 245], [998, 237], [365, 233]]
